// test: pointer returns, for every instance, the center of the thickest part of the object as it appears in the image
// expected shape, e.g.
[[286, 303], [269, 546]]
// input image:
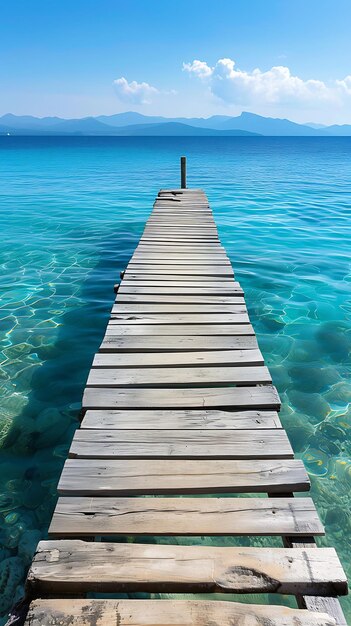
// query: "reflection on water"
[[71, 212]]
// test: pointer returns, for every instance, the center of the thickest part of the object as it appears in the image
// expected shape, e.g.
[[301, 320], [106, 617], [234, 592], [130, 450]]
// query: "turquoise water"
[[71, 213]]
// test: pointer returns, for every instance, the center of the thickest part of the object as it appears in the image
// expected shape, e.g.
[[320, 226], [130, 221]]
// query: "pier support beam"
[[183, 172]]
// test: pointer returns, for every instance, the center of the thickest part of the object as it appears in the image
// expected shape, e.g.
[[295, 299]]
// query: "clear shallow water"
[[71, 213]]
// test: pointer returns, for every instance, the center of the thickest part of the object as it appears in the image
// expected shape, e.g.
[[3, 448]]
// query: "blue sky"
[[284, 58]]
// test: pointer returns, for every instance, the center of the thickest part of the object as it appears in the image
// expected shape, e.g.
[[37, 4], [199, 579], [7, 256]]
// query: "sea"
[[71, 212]]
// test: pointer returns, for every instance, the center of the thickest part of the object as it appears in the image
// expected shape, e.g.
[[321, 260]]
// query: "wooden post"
[[183, 172]]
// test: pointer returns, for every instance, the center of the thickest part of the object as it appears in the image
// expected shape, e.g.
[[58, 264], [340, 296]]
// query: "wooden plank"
[[170, 612], [193, 228], [164, 270], [86, 477], [180, 419], [181, 223], [180, 299], [175, 376], [162, 246], [89, 517], [195, 257], [178, 318], [183, 230], [116, 328], [168, 290], [188, 238], [176, 343], [167, 359], [140, 307], [203, 279], [178, 247], [265, 397], [178, 444], [190, 283], [150, 259], [76, 566]]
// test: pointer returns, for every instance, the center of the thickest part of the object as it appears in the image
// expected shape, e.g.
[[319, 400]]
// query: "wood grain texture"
[[184, 290], [176, 343], [189, 278], [179, 318], [78, 566], [83, 517], [169, 359], [208, 283], [167, 612], [178, 444], [86, 477], [140, 307], [177, 299], [156, 377], [176, 318], [265, 397], [165, 419], [194, 330], [178, 260]]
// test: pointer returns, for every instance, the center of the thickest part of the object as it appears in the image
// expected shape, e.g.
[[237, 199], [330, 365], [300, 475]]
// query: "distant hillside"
[[84, 126], [132, 123], [27, 121], [343, 130], [271, 126], [177, 129]]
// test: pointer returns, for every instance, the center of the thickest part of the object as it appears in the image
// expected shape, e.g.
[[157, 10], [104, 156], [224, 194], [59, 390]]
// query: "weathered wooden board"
[[169, 290], [159, 419], [204, 234], [162, 246], [191, 228], [209, 330], [83, 517], [165, 249], [150, 259], [181, 219], [167, 612], [190, 283], [86, 477], [176, 278], [172, 304], [181, 270], [181, 224], [178, 238], [265, 397], [169, 359], [177, 343], [175, 376], [180, 299], [155, 308], [178, 444], [82, 567], [177, 318], [193, 258]]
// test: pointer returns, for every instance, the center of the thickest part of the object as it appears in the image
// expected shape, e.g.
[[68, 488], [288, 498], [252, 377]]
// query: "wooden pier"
[[179, 403]]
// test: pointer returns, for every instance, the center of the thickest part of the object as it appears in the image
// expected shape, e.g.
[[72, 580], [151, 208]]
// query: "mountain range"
[[136, 124]]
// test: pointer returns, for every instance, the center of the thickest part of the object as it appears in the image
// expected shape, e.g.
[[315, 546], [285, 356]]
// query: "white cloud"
[[199, 68], [136, 93], [345, 85], [274, 86]]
